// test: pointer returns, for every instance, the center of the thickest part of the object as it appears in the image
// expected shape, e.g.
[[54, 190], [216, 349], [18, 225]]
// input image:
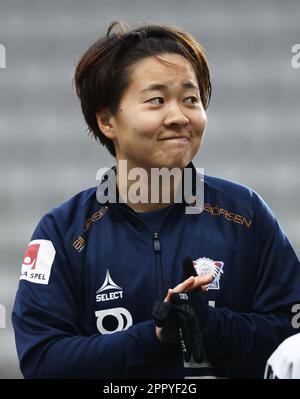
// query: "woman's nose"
[[175, 116]]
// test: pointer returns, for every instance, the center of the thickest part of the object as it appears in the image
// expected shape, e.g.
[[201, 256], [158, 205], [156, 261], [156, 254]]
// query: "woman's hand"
[[191, 284], [187, 285]]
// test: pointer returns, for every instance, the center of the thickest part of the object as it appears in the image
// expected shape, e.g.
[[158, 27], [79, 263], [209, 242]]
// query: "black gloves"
[[181, 319]]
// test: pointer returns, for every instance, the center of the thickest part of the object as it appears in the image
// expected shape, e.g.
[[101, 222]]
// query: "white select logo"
[[37, 261], [121, 314], [108, 284]]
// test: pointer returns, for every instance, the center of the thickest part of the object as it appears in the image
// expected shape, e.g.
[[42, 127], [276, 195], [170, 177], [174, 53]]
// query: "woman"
[[97, 264]]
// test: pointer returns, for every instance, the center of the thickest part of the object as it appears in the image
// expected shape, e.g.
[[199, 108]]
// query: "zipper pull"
[[156, 242]]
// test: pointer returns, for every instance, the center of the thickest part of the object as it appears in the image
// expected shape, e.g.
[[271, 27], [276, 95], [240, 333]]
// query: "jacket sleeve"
[[239, 344], [49, 341]]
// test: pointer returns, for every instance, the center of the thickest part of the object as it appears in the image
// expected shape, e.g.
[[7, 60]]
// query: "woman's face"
[[161, 120]]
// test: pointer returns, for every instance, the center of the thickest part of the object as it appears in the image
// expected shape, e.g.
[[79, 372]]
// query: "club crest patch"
[[209, 266]]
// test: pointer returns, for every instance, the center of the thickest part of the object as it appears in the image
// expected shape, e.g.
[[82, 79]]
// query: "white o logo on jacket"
[[121, 314]]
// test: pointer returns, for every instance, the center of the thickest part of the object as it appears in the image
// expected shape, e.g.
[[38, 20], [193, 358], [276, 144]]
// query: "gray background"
[[47, 157]]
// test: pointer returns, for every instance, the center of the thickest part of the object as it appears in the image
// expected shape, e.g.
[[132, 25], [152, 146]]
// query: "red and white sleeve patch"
[[37, 261]]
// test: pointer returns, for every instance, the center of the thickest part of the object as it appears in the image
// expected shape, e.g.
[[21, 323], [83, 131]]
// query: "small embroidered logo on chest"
[[115, 292], [209, 266]]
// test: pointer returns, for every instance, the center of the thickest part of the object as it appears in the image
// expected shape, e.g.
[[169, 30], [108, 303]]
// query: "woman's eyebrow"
[[163, 87], [189, 85]]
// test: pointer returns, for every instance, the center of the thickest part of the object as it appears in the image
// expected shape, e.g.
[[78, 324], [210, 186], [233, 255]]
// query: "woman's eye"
[[194, 99], [156, 100]]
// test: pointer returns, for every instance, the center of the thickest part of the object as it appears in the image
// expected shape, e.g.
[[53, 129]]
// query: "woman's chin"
[[176, 162]]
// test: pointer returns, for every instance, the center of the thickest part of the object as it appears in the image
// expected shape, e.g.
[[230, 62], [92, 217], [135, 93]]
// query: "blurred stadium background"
[[47, 157]]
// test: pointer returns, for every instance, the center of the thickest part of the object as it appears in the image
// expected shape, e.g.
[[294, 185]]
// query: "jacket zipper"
[[157, 252]]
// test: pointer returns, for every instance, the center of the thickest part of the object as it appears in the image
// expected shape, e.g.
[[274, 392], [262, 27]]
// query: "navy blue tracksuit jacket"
[[92, 272]]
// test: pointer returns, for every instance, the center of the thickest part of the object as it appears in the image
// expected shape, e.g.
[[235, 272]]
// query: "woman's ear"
[[105, 123]]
